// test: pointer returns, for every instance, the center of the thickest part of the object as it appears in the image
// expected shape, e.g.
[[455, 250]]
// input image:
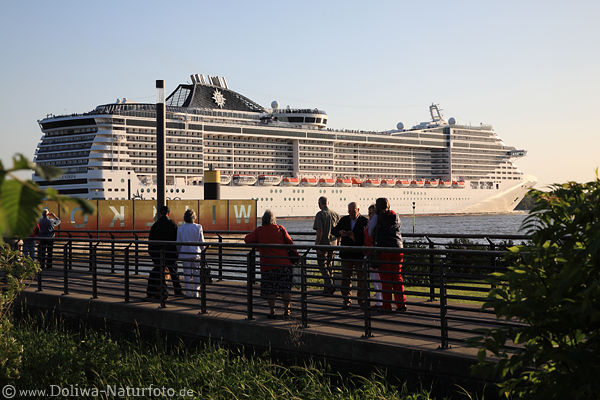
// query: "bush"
[[16, 270], [552, 287]]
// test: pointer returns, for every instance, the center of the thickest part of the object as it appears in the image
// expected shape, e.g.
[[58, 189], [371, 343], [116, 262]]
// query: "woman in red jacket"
[[275, 264]]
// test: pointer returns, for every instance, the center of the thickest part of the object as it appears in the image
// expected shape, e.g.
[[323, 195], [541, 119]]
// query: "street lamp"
[[160, 144], [413, 217]]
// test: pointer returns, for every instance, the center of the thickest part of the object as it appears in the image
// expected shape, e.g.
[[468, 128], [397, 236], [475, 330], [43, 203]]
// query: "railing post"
[[70, 252], [493, 259], [137, 254], [112, 254], [220, 257], [66, 268], [93, 266], [39, 274], [443, 308], [203, 278], [163, 283], [126, 274], [90, 249], [364, 298], [250, 260], [431, 270], [303, 292]]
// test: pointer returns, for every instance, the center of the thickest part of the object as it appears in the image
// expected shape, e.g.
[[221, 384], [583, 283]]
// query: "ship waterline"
[[284, 158]]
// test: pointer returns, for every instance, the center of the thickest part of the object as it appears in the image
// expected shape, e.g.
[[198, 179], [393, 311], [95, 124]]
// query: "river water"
[[491, 224]]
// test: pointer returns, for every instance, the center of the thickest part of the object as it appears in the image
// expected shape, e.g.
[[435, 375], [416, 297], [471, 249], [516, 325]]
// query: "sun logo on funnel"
[[218, 98]]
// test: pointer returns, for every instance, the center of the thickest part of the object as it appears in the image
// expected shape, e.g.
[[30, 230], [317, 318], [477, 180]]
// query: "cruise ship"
[[285, 158]]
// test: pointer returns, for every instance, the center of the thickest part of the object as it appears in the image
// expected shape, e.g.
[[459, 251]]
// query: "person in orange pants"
[[387, 234]]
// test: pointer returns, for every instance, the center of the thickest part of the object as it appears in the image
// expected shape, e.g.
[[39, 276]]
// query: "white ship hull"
[[301, 201]]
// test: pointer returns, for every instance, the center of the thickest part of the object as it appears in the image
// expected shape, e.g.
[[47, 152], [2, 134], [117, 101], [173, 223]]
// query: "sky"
[[529, 68]]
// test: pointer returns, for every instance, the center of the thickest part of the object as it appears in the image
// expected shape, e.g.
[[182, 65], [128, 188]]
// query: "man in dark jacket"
[[351, 228], [47, 224], [387, 234], [164, 229]]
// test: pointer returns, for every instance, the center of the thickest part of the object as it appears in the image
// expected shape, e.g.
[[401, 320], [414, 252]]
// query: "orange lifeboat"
[[287, 181], [458, 184], [417, 183], [403, 183], [388, 183], [343, 182], [371, 183], [308, 181], [445, 184], [326, 182], [357, 181], [431, 182]]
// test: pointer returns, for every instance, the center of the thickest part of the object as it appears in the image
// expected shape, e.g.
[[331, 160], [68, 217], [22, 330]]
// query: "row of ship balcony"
[[274, 180]]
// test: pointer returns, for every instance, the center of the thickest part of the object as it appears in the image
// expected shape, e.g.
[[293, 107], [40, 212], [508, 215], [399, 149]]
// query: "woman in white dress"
[[189, 254]]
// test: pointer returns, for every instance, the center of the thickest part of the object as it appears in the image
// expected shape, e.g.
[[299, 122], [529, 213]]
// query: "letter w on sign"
[[242, 212]]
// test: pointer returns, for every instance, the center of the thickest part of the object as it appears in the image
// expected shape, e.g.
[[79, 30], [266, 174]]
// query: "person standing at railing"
[[189, 254], [373, 273], [325, 220], [164, 229], [275, 263], [48, 224], [387, 234], [351, 229]]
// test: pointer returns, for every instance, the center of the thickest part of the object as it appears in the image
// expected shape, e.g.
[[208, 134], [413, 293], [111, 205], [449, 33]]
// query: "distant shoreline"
[[515, 212]]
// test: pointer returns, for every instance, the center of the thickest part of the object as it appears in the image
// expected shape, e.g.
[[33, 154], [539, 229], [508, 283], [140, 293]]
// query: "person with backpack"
[[387, 234]]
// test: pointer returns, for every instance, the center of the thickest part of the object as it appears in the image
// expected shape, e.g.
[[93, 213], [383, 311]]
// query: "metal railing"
[[444, 286]]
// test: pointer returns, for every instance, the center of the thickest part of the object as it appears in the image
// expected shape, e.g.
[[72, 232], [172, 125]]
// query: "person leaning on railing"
[[275, 263]]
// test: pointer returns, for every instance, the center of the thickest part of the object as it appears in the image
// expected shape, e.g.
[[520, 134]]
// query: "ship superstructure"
[[285, 158]]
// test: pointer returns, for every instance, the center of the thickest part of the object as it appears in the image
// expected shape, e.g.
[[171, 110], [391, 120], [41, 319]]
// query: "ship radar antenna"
[[436, 112]]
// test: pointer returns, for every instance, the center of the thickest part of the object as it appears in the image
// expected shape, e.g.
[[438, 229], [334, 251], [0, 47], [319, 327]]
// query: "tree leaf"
[[21, 204]]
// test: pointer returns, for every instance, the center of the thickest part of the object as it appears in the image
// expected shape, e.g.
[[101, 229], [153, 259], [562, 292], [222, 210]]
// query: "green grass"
[[54, 355]]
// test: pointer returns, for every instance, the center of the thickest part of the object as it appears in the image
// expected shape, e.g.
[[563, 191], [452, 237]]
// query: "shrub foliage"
[[552, 290]]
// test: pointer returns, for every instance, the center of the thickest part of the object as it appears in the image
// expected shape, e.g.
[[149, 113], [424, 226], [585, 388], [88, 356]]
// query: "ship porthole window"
[[177, 190], [154, 190], [171, 190], [182, 190], [142, 190], [122, 180]]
